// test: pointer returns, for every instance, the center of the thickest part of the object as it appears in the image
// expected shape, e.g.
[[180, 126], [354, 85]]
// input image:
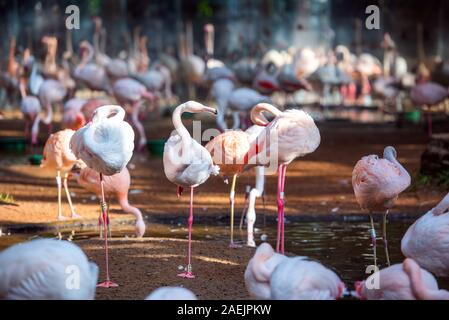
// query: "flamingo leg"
[[232, 202], [188, 273], [138, 125], [373, 239], [244, 209], [69, 198], [280, 200], [384, 236], [284, 171], [104, 212], [59, 184]]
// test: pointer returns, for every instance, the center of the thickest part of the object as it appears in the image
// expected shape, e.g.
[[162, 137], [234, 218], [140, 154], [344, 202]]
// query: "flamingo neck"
[[257, 116], [179, 126]]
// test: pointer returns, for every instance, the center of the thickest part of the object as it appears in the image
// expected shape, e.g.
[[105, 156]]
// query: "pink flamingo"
[[72, 117], [240, 102], [58, 156], [377, 184], [426, 240], [259, 270], [291, 134], [299, 278], [404, 281], [30, 107], [229, 152], [118, 185], [90, 74], [187, 163], [91, 105], [129, 91], [50, 92], [105, 145]]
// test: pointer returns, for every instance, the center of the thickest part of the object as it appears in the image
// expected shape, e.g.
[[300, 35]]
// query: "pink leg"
[[104, 212], [284, 171], [188, 273], [280, 205]]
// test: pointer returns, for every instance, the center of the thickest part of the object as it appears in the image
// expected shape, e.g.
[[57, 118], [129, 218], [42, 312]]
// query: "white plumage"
[[106, 144], [171, 293], [40, 269]]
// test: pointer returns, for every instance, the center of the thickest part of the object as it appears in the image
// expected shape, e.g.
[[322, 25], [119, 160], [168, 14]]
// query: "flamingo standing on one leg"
[[426, 241], [187, 163], [291, 134], [106, 145], [118, 185], [377, 184], [130, 91], [229, 151], [57, 155]]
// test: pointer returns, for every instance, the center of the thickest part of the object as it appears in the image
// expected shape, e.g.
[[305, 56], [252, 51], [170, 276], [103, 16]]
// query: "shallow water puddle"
[[342, 246]]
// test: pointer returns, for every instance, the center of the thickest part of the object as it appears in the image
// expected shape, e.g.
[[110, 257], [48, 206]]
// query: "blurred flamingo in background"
[[291, 134], [116, 185], [106, 145], [240, 102], [30, 107], [130, 92], [377, 184], [58, 156], [229, 152], [426, 240], [187, 163], [72, 116], [404, 281]]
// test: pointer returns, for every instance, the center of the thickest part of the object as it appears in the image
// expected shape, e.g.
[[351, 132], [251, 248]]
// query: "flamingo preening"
[[105, 145], [377, 184], [187, 163]]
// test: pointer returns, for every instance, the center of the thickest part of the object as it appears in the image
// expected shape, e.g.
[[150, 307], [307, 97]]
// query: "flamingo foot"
[[107, 284], [251, 244], [234, 245], [186, 275], [76, 216]]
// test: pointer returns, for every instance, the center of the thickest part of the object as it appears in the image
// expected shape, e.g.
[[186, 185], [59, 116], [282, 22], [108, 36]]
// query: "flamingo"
[[58, 156], [427, 239], [240, 101], [30, 107], [404, 281], [171, 293], [187, 163], [377, 184], [118, 185], [259, 270], [129, 91], [229, 152], [105, 145], [90, 74], [39, 270], [294, 135], [299, 278], [72, 117], [91, 105]]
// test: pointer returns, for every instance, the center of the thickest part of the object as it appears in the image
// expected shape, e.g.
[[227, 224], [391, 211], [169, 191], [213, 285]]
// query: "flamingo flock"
[[98, 139]]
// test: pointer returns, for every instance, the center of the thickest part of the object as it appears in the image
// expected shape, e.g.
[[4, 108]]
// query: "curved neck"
[[179, 126], [257, 116], [90, 54]]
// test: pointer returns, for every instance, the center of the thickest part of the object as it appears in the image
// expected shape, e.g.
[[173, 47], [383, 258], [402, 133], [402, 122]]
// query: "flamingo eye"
[[376, 157]]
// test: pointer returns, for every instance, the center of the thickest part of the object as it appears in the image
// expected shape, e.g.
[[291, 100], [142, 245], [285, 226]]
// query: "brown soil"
[[141, 266]]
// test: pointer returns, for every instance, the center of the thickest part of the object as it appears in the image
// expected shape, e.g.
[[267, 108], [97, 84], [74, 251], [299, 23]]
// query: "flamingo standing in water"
[[404, 281], [118, 185], [291, 134], [187, 163], [58, 156], [129, 91], [37, 270], [377, 184], [426, 241], [105, 145], [229, 152]]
